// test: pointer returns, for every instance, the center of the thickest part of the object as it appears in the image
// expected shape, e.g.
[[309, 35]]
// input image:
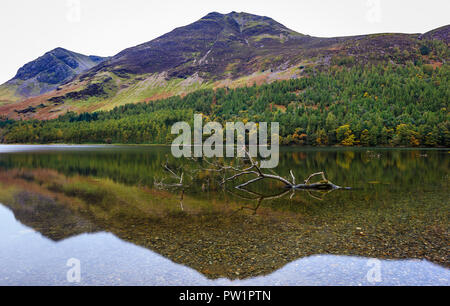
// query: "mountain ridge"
[[195, 42]]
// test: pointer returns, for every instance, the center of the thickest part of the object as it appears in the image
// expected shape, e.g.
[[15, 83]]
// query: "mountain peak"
[[243, 19], [207, 46], [58, 49], [55, 66], [213, 15], [47, 72]]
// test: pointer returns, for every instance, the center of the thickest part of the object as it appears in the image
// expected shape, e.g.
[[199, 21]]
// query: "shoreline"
[[166, 145]]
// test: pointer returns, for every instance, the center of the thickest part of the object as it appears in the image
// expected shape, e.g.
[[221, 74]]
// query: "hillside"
[[223, 51], [45, 74], [388, 105]]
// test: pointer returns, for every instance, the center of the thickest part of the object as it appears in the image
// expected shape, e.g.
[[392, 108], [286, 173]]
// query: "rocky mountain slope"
[[219, 50], [45, 74]]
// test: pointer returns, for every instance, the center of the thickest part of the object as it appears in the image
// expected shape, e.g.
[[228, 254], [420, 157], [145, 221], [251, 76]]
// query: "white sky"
[[105, 27]]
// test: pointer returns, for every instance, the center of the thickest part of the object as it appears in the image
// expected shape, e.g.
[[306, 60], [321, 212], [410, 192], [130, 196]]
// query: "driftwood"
[[179, 177], [254, 170]]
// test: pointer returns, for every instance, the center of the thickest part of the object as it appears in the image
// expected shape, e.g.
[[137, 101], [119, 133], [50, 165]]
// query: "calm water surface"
[[99, 204]]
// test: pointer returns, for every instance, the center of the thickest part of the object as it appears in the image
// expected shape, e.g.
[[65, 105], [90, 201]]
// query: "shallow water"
[[98, 204]]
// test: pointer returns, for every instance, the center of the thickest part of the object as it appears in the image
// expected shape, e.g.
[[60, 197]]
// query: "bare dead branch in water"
[[180, 177], [325, 184], [252, 169]]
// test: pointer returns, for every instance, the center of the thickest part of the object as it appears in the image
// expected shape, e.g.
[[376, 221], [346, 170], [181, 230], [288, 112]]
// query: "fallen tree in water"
[[324, 184], [243, 167]]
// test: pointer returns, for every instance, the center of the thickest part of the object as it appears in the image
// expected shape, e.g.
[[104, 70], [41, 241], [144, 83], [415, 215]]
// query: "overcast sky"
[[29, 28]]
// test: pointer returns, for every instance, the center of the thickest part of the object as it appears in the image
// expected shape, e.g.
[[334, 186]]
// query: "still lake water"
[[99, 205]]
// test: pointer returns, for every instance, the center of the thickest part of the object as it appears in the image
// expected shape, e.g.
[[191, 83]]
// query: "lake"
[[99, 206]]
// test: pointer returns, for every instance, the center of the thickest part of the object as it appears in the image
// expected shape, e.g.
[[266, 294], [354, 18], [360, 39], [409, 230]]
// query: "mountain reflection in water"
[[98, 205]]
